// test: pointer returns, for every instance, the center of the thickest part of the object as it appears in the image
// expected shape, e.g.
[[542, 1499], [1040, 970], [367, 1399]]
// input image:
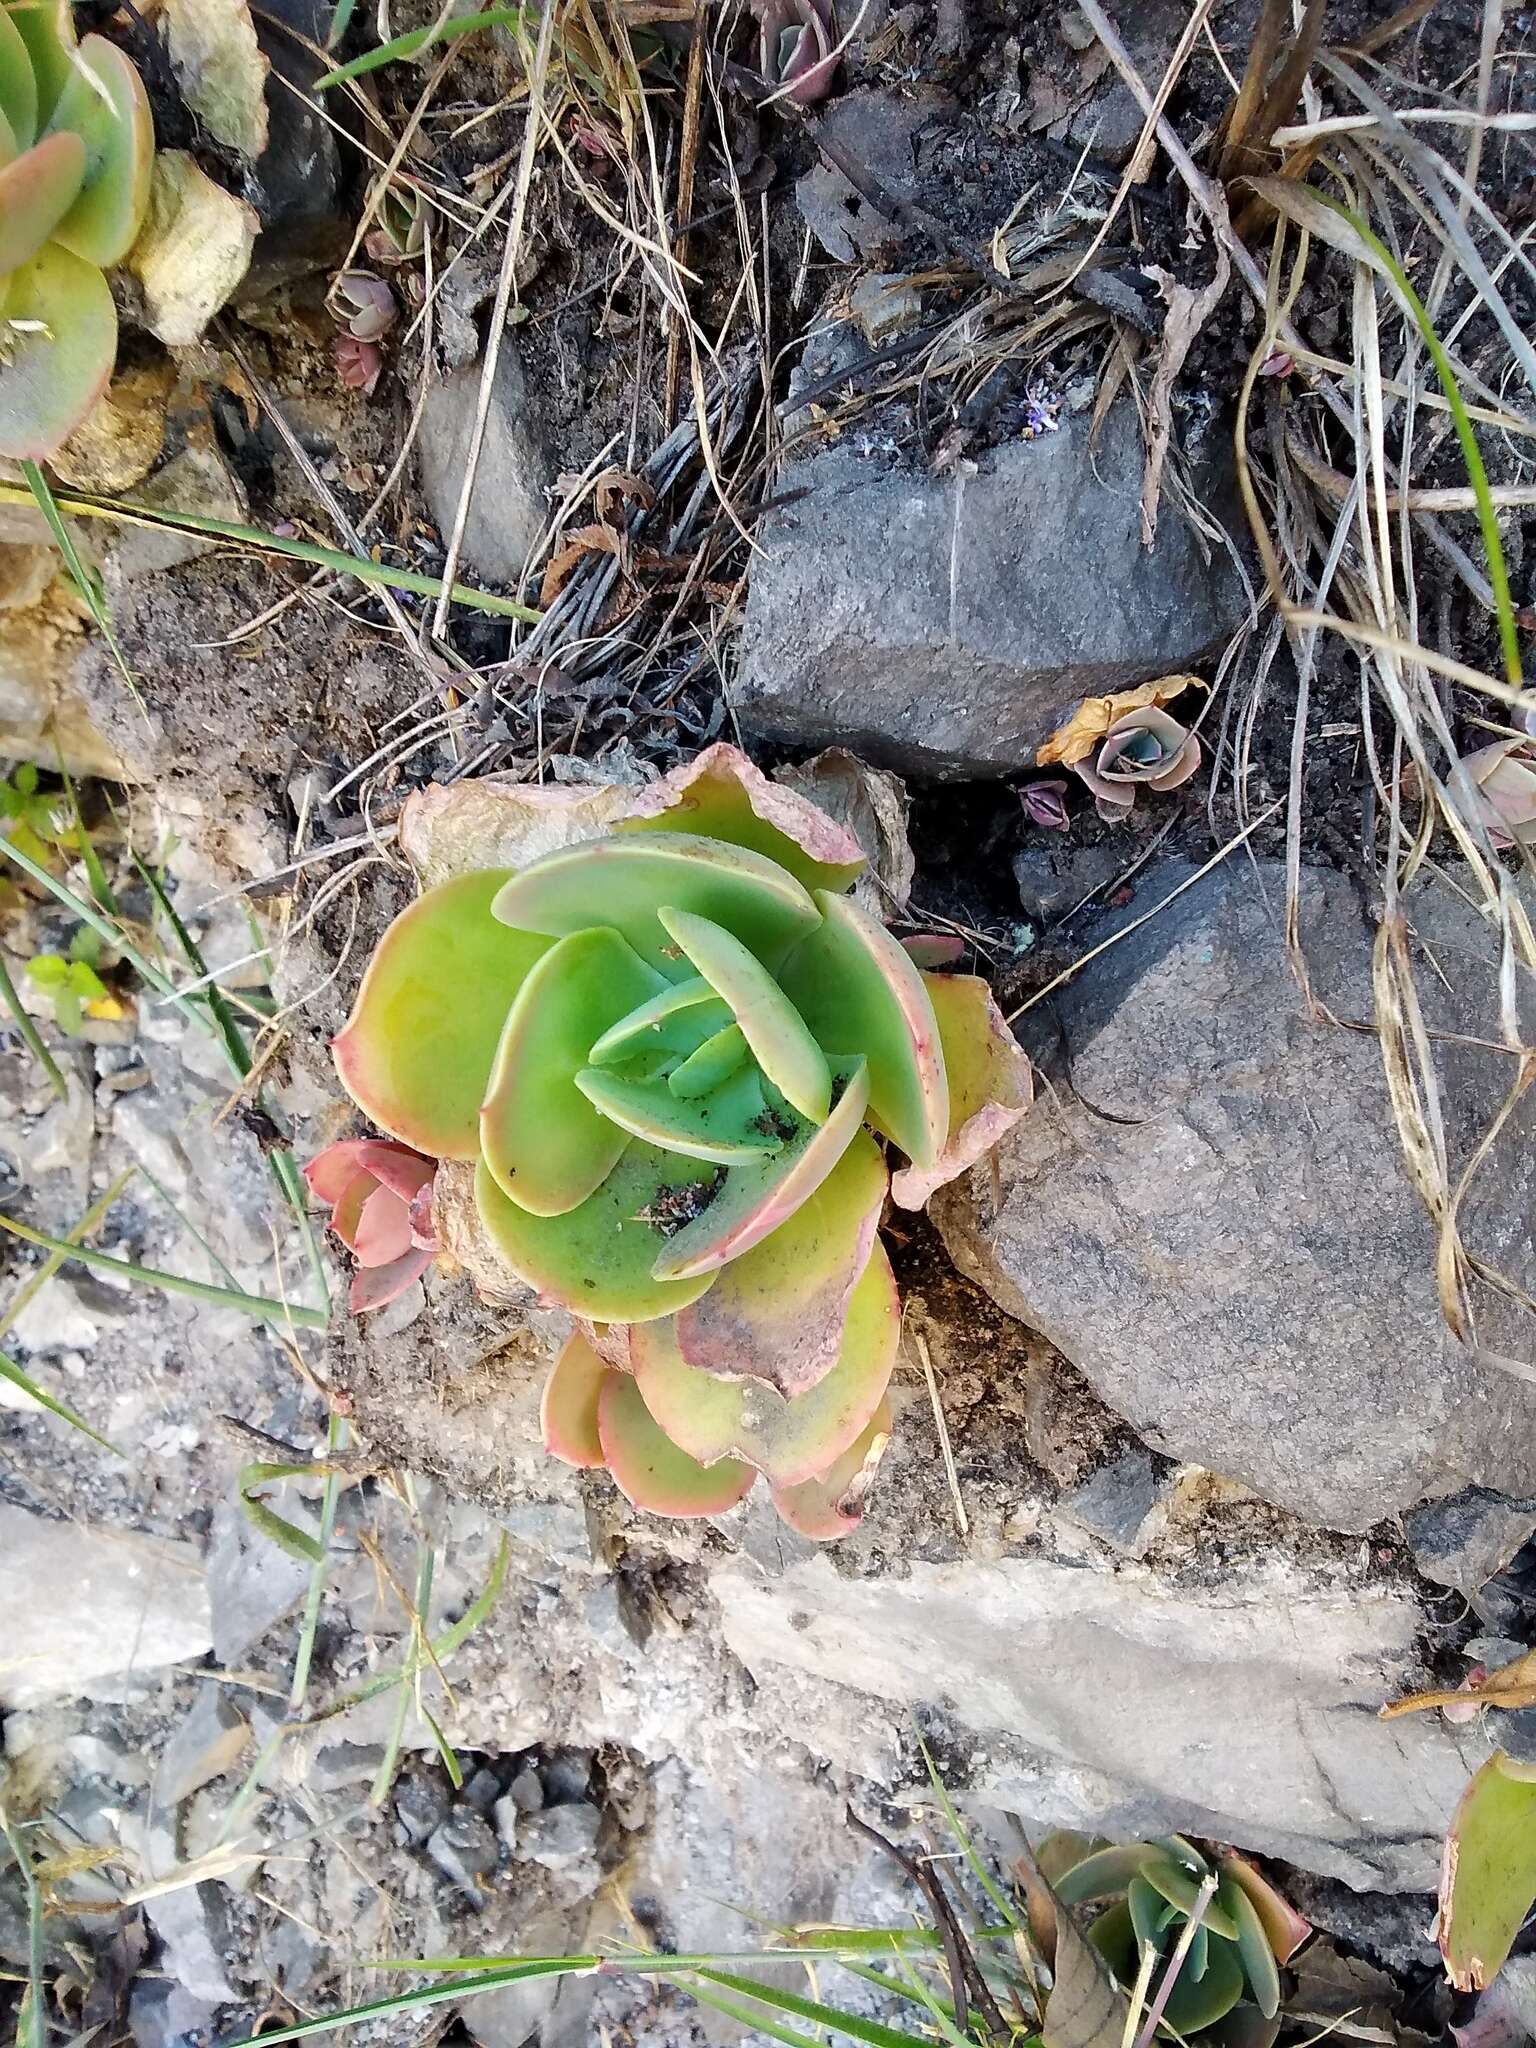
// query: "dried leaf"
[[563, 564], [1488, 1875], [1086, 2007], [1076, 740], [1512, 1686]]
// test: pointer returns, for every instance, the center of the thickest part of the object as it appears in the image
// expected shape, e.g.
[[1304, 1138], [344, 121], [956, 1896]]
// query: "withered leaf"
[[1512, 1686]]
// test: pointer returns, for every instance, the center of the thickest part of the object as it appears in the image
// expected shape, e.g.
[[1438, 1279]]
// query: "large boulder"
[[949, 624], [1212, 1219]]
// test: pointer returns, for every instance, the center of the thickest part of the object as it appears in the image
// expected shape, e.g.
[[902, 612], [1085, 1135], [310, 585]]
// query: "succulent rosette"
[[76, 152], [1225, 1991], [674, 1053]]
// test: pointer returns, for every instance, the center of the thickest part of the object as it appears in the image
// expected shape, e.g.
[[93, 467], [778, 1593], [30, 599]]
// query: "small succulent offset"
[[380, 1198], [1227, 1990], [672, 1048], [796, 48], [76, 153], [1126, 742]]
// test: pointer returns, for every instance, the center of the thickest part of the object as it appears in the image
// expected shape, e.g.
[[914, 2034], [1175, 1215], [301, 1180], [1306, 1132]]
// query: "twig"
[[941, 1424], [1176, 1961]]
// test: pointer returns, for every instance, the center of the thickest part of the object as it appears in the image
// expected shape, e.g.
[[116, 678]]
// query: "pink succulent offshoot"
[[380, 1198], [795, 48], [363, 304], [1147, 749], [359, 364], [1045, 803]]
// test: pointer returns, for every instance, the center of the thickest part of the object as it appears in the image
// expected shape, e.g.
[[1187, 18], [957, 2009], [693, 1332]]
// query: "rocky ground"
[[1189, 1475]]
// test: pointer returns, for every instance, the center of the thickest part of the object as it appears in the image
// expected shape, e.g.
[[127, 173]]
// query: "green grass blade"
[[292, 1541], [361, 566], [45, 1272], [31, 1037], [335, 1441], [341, 21], [872, 2032], [978, 1868], [421, 39], [34, 2033], [96, 874], [761, 2023], [278, 1313], [442, 1649], [11, 1371], [426, 1995], [85, 582]]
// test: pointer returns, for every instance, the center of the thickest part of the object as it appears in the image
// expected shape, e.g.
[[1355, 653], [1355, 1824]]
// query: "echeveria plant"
[[675, 1052], [1226, 1993], [76, 152], [796, 53], [1148, 748], [380, 1198]]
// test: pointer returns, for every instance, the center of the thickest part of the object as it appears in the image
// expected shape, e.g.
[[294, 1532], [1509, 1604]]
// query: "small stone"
[[885, 304], [167, 2015], [341, 1766], [193, 1923], [1054, 879], [481, 1790], [507, 511], [422, 1804], [566, 1775], [252, 1585], [56, 1319], [1119, 1503], [563, 1839], [1463, 1541], [505, 1815], [464, 1849], [80, 1603], [526, 1790], [208, 1743]]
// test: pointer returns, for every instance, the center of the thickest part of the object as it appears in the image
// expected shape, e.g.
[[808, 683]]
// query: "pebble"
[[464, 1849]]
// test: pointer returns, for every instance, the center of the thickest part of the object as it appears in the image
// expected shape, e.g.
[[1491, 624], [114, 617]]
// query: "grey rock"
[[526, 1790], [193, 1923], [508, 510], [464, 1849], [252, 1585], [1463, 1541], [481, 1790], [343, 1767], [1110, 121], [422, 1803], [167, 2015], [210, 1741], [1119, 1503], [1235, 1258], [566, 1774], [518, 2013], [563, 1839], [505, 1817], [1132, 1704], [80, 1605], [1391, 1931], [1054, 878], [295, 184], [1517, 1734], [880, 130], [950, 624]]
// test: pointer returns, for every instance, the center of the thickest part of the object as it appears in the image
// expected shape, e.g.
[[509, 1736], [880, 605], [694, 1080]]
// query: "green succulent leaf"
[[855, 986], [1198, 2002], [831, 1505], [627, 881], [1103, 1875], [649, 1469], [722, 796], [596, 1260], [1284, 1927], [61, 344], [1488, 1879], [112, 120], [568, 1410], [776, 1314], [781, 1044], [417, 1051], [725, 1128], [788, 1440], [756, 1199], [36, 191], [18, 86], [710, 1063], [1178, 1885], [1150, 1911], [678, 1020], [541, 1136], [47, 32], [1258, 1958]]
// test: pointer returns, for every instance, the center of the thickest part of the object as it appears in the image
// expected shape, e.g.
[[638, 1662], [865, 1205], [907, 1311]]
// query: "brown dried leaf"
[[1076, 740], [583, 541], [1512, 1686]]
